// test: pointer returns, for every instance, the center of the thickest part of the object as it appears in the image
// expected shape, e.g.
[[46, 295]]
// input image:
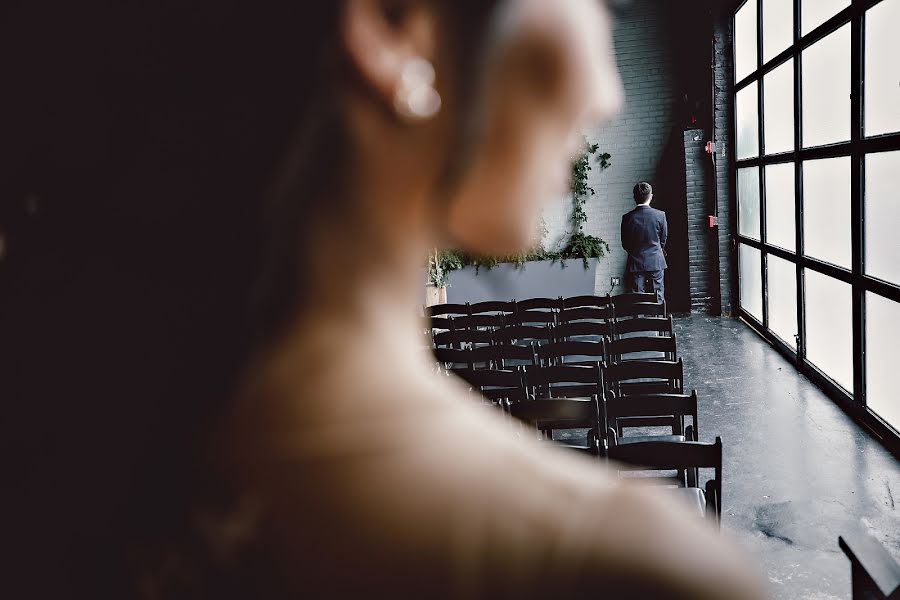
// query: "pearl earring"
[[415, 98]]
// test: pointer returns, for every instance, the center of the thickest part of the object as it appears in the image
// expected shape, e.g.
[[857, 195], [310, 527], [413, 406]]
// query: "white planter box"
[[537, 279]]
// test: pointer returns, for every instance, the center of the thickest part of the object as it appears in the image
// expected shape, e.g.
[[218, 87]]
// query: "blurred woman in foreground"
[[209, 305]]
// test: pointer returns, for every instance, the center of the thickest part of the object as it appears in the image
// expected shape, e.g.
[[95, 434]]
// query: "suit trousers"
[[647, 281]]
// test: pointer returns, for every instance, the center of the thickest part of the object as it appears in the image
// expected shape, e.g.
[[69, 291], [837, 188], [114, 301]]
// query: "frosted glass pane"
[[745, 58], [829, 328], [815, 12], [747, 109], [750, 264], [826, 210], [883, 216], [826, 90], [882, 333], [882, 77], [780, 215], [782, 299], [778, 23], [748, 202], [779, 105]]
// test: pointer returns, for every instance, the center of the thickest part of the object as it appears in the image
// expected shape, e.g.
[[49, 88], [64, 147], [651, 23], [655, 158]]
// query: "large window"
[[817, 148]]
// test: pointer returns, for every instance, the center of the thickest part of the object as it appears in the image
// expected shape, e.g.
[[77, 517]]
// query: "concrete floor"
[[797, 471]]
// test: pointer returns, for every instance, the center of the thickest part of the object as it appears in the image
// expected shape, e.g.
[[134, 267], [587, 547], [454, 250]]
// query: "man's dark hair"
[[642, 192]]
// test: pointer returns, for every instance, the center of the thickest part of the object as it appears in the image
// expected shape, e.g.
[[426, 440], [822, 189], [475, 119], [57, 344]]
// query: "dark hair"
[[642, 192], [148, 156]]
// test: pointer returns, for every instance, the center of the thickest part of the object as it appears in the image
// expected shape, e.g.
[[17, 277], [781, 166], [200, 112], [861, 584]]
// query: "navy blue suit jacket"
[[644, 233]]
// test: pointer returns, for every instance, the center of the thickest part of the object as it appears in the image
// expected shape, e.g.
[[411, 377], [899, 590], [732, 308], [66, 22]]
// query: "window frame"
[[854, 401]]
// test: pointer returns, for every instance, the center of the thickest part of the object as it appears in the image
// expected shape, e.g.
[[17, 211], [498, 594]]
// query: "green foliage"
[[581, 245], [440, 264], [584, 246], [578, 245]]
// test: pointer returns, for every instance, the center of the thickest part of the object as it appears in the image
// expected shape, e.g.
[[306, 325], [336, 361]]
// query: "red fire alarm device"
[[713, 221]]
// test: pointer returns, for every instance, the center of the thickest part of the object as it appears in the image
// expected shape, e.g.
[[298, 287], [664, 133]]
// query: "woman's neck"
[[368, 278]]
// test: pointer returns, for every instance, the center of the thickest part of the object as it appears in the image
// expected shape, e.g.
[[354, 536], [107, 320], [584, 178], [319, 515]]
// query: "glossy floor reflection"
[[797, 471]]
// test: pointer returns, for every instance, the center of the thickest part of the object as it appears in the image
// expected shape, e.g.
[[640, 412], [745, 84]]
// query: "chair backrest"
[[663, 325], [581, 329], [624, 348], [640, 309], [506, 356], [631, 412], [441, 323], [531, 317], [492, 306], [539, 304], [633, 377], [518, 334], [579, 301], [680, 456], [622, 300], [586, 313], [560, 413], [447, 309], [495, 384], [453, 358], [479, 321], [570, 353], [456, 338], [564, 381]]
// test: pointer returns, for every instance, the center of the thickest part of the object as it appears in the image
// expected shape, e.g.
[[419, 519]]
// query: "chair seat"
[[637, 439], [692, 498]]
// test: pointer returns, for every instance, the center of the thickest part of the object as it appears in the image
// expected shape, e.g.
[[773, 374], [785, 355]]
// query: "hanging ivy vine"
[[581, 245]]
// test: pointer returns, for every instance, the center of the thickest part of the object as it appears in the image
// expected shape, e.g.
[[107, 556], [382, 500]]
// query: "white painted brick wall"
[[636, 138]]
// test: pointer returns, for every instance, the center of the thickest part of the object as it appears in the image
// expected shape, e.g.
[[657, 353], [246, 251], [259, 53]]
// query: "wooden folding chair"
[[495, 385], [447, 309], [644, 326], [683, 457], [548, 304], [572, 353], [524, 335], [492, 307], [583, 331], [580, 301], [638, 348]]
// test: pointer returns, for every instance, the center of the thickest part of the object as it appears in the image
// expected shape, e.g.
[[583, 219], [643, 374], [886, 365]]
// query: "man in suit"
[[644, 233]]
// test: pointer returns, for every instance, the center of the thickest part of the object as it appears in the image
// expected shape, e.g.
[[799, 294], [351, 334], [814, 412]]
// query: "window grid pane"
[[748, 202], [778, 99], [745, 41], [778, 27], [826, 90], [780, 206], [782, 295], [826, 210], [882, 216], [829, 328], [882, 49], [815, 12], [882, 333], [747, 109], [750, 265]]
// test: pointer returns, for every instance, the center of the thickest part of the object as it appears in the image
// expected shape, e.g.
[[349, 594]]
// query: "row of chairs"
[[573, 350], [559, 304], [608, 400], [542, 312], [586, 368]]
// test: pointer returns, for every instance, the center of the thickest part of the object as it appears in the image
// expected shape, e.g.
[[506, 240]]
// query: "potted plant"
[[440, 264]]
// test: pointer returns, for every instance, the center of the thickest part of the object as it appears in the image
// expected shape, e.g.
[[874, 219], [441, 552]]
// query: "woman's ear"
[[390, 42]]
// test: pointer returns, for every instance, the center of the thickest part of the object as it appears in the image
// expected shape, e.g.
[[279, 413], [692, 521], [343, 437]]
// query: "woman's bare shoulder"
[[444, 486]]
